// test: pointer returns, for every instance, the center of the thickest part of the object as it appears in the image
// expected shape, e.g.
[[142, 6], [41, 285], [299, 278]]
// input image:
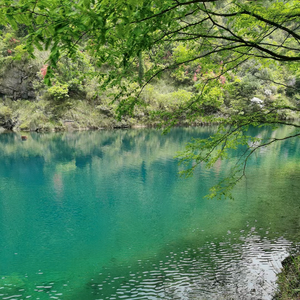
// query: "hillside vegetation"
[[76, 100]]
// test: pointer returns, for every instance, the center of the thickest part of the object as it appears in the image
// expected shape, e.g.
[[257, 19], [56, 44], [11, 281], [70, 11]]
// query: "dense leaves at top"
[[118, 30]]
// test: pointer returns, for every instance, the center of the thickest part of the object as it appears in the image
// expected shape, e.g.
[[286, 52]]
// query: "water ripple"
[[214, 271]]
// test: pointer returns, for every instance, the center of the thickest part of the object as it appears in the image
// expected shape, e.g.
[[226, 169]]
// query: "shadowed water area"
[[104, 215]]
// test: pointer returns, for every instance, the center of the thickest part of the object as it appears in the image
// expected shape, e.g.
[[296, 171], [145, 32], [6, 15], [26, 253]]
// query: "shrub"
[[5, 112], [58, 92]]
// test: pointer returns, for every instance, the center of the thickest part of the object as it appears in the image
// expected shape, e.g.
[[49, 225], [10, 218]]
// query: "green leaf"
[[51, 29], [40, 19], [48, 43], [87, 3], [38, 45]]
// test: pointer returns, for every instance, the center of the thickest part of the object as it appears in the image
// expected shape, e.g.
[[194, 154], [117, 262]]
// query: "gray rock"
[[16, 81]]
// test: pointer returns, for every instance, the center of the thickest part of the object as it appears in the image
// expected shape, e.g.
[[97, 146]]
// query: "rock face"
[[16, 81], [6, 117], [7, 124]]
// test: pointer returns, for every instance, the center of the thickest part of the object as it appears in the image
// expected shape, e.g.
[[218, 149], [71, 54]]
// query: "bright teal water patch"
[[104, 215]]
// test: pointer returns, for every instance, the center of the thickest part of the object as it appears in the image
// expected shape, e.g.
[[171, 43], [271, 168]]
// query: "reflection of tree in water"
[[69, 145], [58, 186], [217, 167], [27, 170], [143, 171], [83, 161], [123, 147]]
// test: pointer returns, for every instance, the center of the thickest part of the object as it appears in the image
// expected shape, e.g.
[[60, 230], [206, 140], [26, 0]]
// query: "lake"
[[104, 215]]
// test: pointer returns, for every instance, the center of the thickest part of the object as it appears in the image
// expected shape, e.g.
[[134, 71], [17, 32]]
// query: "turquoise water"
[[104, 215]]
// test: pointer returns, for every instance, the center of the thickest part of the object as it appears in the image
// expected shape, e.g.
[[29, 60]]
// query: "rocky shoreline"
[[288, 280]]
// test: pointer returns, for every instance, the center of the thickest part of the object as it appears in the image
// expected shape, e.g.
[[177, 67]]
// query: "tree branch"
[[172, 8]]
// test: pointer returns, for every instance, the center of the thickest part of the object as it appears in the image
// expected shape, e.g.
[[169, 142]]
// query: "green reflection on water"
[[73, 205]]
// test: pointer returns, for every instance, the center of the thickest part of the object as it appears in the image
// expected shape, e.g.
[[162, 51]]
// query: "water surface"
[[104, 215]]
